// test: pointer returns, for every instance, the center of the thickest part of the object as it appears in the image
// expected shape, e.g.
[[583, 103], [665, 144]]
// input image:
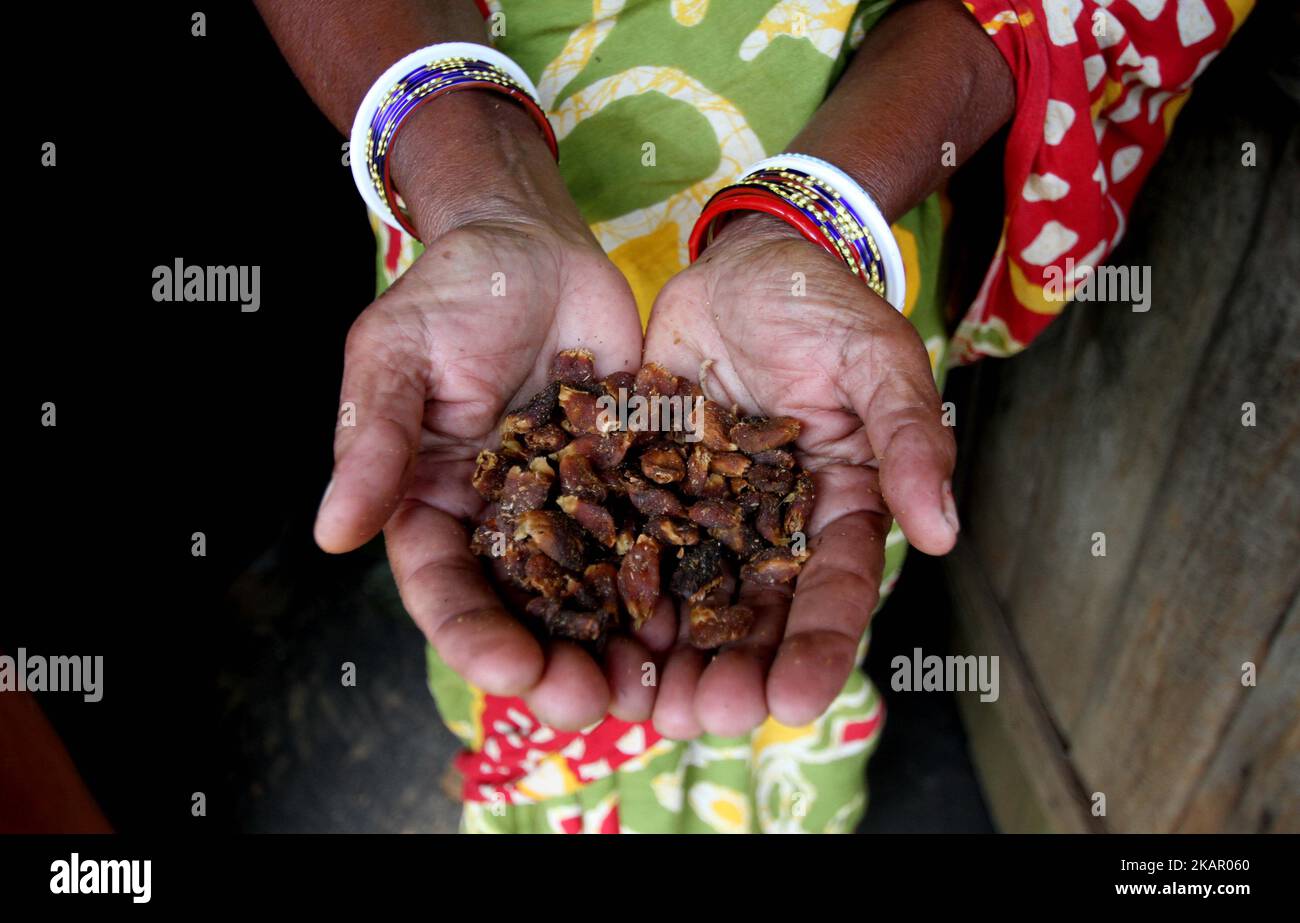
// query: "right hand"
[[434, 364]]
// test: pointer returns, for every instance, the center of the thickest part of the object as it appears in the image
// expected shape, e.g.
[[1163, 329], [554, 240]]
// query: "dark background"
[[221, 672]]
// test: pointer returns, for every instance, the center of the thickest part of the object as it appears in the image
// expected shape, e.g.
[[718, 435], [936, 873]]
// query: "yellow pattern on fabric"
[[579, 48], [1173, 107], [1110, 92], [550, 779], [689, 12], [648, 262], [737, 144], [772, 732], [1240, 9], [823, 24], [1030, 294], [911, 267]]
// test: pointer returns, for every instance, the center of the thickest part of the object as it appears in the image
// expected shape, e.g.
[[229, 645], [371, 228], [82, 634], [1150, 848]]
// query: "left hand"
[[855, 373]]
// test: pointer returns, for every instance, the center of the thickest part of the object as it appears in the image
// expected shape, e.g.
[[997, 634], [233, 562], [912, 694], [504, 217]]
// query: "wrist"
[[926, 90], [476, 156], [749, 231], [751, 241]]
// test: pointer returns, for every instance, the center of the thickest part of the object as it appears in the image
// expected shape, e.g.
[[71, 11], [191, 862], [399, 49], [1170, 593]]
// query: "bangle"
[[827, 201], [416, 79], [736, 198]]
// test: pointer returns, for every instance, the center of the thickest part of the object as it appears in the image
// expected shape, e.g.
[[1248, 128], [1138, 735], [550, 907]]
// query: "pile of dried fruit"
[[593, 513]]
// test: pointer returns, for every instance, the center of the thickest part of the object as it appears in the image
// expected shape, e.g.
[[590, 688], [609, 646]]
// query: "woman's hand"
[[824, 349], [510, 276]]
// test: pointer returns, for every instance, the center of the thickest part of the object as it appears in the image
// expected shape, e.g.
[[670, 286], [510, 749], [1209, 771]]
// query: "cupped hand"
[[780, 327], [430, 369]]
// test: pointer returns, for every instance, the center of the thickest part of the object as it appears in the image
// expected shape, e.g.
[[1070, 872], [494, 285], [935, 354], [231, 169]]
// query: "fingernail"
[[950, 508], [325, 496]]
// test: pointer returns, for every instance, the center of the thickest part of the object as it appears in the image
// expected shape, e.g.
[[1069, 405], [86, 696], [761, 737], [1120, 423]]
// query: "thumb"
[[915, 451], [378, 436]]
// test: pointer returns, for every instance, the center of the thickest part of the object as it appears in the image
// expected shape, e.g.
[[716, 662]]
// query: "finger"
[[674, 711], [374, 457], [633, 687], [632, 695], [445, 591], [572, 693], [731, 698], [833, 600], [445, 482], [915, 451], [660, 630]]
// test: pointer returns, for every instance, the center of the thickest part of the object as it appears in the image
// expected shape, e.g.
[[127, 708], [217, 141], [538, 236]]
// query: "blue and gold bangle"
[[410, 83], [825, 202], [837, 221]]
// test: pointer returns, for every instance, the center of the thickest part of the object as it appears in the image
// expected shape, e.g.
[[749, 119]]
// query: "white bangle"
[[380, 90], [856, 198]]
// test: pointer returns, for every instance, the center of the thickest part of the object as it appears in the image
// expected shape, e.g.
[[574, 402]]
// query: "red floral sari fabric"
[[1098, 86]]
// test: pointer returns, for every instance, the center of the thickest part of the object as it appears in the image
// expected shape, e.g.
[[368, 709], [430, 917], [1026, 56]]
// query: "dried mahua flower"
[[553, 533], [638, 579], [581, 503], [772, 566], [712, 627], [761, 434]]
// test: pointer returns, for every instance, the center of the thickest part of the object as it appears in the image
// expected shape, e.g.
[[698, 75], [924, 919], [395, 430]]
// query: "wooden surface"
[[1130, 424], [1012, 739]]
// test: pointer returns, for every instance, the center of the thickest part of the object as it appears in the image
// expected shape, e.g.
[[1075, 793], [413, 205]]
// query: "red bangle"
[[732, 199], [523, 99]]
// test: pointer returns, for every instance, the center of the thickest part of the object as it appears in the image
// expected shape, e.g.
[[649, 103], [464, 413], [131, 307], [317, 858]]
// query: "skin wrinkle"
[[405, 509], [375, 332], [407, 449], [486, 414], [832, 572], [434, 438], [441, 493], [430, 571]]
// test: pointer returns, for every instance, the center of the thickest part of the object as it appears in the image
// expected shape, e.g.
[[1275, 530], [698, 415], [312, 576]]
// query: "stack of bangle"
[[826, 206], [410, 83]]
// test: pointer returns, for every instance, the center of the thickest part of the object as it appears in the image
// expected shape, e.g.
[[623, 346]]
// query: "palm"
[[781, 353], [489, 351]]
